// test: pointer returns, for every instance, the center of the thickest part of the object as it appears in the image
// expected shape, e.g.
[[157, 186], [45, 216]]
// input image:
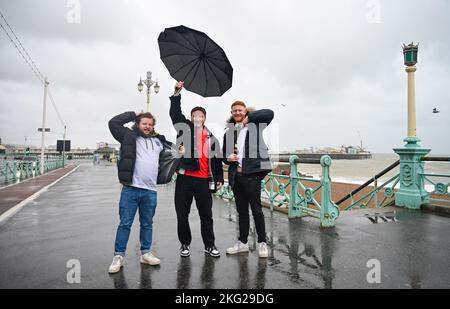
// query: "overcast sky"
[[337, 66]]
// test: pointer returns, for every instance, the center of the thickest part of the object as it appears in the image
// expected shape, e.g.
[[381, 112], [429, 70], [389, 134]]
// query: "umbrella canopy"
[[191, 56]]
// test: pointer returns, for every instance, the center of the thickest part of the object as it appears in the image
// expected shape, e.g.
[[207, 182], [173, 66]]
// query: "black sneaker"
[[185, 251], [212, 251]]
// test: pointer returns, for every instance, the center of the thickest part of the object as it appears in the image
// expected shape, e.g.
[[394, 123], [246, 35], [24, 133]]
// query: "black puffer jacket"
[[256, 160], [127, 139], [186, 134]]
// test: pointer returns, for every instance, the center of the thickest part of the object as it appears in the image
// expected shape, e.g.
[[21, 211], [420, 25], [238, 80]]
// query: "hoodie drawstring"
[[151, 141]]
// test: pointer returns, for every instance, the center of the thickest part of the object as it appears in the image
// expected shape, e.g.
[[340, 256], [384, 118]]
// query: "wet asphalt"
[[77, 219]]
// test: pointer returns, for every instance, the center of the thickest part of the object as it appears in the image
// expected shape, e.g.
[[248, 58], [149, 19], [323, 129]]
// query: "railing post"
[[329, 211], [6, 170], [272, 192], [15, 170], [295, 200]]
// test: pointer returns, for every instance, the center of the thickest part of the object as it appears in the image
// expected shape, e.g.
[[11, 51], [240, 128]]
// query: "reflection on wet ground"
[[77, 219], [381, 217]]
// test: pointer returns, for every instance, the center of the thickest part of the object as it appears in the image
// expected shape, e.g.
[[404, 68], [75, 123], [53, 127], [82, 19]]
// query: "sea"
[[359, 171]]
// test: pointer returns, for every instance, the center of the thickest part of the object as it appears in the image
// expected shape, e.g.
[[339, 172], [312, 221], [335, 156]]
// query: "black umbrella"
[[191, 56]]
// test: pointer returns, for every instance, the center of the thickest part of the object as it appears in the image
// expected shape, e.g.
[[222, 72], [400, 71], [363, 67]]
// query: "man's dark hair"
[[199, 108], [145, 115]]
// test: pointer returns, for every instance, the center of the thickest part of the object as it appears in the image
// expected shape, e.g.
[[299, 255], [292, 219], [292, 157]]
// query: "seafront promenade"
[[75, 220]]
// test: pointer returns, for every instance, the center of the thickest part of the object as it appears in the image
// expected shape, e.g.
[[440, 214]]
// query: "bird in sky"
[[435, 110]]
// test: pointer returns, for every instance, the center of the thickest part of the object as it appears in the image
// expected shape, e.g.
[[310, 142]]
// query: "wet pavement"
[[77, 219], [13, 194]]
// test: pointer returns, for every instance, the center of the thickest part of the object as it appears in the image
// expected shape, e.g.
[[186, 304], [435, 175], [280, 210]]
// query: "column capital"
[[411, 69]]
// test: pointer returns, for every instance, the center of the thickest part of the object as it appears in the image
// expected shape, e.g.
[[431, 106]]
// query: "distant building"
[[110, 145], [351, 150], [107, 151], [329, 150]]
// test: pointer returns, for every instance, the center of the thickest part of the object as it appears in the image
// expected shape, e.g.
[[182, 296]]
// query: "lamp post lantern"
[[149, 83]]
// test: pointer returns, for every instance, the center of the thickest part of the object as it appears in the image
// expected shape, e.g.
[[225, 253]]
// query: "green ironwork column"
[[329, 211], [412, 192]]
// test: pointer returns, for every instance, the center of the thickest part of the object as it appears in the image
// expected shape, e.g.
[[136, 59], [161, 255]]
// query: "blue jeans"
[[132, 199]]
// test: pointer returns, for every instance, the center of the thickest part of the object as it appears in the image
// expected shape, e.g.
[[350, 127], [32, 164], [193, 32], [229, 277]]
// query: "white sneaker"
[[116, 264], [237, 248], [263, 252], [149, 258]]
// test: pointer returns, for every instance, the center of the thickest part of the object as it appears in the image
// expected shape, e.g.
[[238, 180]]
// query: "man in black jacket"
[[138, 167], [247, 155], [199, 174]]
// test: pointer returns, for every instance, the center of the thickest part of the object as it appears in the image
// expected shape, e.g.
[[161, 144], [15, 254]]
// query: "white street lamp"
[[149, 83]]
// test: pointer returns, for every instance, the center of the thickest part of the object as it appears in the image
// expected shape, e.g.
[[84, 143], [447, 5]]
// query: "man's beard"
[[238, 119], [150, 134]]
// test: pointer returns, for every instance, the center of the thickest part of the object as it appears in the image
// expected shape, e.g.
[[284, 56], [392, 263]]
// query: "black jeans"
[[247, 190], [186, 189]]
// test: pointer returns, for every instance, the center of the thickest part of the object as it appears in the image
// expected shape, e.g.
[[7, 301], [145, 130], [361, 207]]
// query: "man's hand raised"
[[178, 88]]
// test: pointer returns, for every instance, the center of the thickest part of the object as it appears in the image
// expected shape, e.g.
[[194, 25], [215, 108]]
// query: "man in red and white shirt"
[[199, 175]]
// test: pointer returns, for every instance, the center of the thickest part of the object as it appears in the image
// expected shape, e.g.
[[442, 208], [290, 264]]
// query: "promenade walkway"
[[13, 197], [77, 219]]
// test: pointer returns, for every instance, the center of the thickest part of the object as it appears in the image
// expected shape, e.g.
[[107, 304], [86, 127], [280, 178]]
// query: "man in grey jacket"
[[138, 171]]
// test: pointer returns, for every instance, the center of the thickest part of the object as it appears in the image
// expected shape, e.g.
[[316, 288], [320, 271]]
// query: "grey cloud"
[[336, 73]]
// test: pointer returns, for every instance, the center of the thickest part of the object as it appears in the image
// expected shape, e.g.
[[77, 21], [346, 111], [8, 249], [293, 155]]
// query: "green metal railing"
[[19, 170], [386, 190], [293, 193], [439, 188], [299, 194]]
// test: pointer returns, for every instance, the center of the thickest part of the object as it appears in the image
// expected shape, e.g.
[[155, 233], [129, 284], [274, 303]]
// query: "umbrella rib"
[[196, 70], [204, 44], [206, 80], [185, 65], [211, 51], [222, 60], [190, 43], [196, 41], [166, 56], [215, 75], [185, 38], [196, 51], [217, 68]]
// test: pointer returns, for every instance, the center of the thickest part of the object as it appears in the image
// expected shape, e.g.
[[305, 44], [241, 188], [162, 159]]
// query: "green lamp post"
[[412, 192]]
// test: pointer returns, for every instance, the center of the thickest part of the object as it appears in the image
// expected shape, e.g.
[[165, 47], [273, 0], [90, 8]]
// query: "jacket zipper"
[[211, 175]]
